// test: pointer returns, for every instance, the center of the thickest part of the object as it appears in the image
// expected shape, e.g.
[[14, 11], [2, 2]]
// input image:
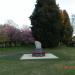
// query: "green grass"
[[11, 65]]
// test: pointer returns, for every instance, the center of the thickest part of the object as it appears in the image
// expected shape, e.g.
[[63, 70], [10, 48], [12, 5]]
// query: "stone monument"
[[38, 45], [38, 51]]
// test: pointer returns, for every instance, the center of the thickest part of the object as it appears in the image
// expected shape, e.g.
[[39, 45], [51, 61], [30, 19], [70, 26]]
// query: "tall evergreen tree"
[[68, 30], [46, 23]]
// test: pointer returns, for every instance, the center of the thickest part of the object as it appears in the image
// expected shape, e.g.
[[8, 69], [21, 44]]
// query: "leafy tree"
[[3, 37], [26, 36], [12, 36], [10, 32], [17, 36], [46, 23]]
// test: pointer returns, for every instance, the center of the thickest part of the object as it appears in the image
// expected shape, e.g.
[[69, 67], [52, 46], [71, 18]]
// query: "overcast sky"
[[69, 5], [20, 10]]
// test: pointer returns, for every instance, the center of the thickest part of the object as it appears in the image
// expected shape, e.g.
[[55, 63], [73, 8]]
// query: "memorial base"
[[38, 53]]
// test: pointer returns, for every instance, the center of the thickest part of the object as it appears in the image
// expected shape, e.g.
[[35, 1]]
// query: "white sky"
[[69, 5], [20, 10]]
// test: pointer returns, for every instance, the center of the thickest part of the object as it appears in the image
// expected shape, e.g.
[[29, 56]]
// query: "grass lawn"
[[11, 65]]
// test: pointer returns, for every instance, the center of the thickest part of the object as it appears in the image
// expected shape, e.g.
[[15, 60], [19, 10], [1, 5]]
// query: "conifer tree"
[[46, 23], [67, 28]]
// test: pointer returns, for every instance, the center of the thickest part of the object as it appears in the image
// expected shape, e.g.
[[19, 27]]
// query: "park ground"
[[10, 63]]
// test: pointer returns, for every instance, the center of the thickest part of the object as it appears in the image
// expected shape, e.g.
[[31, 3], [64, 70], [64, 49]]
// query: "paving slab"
[[47, 56]]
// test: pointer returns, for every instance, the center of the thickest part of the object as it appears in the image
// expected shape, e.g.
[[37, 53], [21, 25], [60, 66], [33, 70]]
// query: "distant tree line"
[[12, 36], [50, 25]]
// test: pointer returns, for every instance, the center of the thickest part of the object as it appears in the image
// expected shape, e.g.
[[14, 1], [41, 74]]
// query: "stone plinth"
[[38, 53]]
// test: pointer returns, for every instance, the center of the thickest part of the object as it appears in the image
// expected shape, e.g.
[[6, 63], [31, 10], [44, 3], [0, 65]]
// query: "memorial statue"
[[38, 50], [38, 45]]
